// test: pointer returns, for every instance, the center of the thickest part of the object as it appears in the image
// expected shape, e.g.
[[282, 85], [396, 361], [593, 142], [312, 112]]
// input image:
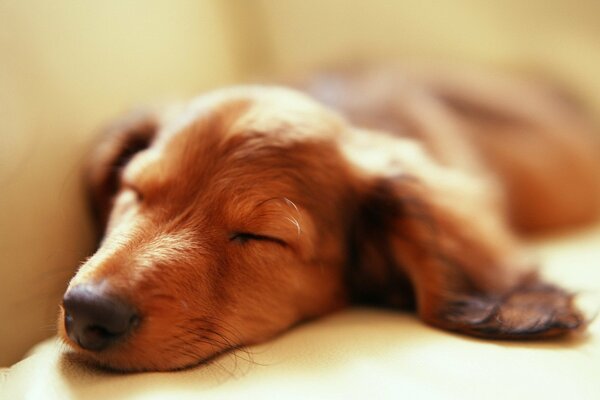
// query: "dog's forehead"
[[243, 110], [234, 136], [285, 112]]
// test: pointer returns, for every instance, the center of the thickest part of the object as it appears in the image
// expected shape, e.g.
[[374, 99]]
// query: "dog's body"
[[527, 137], [255, 208]]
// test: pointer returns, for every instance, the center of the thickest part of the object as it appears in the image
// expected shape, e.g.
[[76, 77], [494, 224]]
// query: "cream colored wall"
[[66, 67], [559, 37]]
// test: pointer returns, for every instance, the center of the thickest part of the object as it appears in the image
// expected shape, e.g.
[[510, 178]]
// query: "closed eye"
[[245, 237]]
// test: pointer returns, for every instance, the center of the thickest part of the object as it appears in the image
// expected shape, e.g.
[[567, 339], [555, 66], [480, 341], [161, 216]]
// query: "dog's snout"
[[95, 319]]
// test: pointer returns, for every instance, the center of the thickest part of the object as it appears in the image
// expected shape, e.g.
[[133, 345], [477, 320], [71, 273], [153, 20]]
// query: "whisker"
[[296, 224]]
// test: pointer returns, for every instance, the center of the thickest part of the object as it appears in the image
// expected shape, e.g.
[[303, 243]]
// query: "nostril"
[[95, 336], [95, 319]]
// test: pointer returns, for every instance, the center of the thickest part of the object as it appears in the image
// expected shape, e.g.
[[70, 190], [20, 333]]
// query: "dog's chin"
[[137, 354], [127, 363], [122, 360]]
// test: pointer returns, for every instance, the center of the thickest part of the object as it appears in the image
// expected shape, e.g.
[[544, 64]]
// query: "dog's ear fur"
[[429, 236], [118, 143]]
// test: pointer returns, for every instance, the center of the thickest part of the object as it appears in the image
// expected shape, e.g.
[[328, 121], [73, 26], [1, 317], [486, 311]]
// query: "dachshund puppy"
[[230, 219]]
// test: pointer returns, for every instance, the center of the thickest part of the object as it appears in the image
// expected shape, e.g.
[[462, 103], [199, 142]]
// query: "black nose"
[[94, 319]]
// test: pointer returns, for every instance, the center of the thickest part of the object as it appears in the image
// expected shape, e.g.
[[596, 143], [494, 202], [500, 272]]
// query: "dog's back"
[[533, 139]]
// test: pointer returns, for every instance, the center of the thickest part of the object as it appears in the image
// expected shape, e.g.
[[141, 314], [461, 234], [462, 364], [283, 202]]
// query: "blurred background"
[[68, 66]]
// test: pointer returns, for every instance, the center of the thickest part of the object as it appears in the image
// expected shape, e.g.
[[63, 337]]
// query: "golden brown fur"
[[254, 208]]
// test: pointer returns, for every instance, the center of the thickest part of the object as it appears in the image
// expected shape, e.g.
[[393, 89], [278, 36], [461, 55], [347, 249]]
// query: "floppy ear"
[[430, 236], [115, 148]]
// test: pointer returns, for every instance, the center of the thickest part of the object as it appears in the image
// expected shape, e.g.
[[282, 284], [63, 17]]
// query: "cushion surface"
[[360, 353]]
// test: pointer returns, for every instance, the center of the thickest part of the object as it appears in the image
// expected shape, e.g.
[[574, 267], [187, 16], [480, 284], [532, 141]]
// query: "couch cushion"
[[359, 353]]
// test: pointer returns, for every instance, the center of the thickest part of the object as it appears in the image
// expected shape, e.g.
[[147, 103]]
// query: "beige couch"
[[359, 354], [68, 66]]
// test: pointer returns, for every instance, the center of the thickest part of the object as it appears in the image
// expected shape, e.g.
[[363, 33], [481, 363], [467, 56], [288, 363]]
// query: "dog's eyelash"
[[244, 237]]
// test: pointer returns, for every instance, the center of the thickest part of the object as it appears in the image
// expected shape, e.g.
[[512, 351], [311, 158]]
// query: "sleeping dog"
[[227, 220]]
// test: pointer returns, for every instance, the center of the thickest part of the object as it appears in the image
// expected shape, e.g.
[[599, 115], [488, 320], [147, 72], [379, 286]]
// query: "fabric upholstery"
[[358, 354]]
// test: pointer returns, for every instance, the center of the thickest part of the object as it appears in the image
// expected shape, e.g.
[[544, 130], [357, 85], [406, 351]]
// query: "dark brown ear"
[[432, 237], [117, 145], [531, 310]]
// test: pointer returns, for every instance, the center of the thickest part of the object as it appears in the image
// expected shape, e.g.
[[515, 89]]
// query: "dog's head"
[[251, 209], [223, 226]]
